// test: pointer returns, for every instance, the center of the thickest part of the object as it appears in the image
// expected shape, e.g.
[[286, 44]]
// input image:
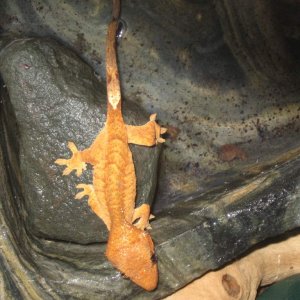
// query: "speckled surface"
[[174, 61], [59, 100], [216, 74]]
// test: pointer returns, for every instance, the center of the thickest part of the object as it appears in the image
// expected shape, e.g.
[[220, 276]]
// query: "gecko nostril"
[[124, 276]]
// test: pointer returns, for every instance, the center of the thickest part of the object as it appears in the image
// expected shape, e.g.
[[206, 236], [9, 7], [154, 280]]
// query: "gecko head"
[[131, 250]]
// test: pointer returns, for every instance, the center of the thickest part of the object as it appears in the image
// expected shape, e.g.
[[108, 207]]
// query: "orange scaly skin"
[[112, 194]]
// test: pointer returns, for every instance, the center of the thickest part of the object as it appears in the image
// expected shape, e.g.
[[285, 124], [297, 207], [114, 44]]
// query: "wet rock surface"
[[215, 74], [219, 72], [193, 236], [58, 99]]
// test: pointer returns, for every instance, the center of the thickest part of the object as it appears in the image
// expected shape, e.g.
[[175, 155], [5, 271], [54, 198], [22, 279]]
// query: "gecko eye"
[[136, 221], [121, 31], [154, 258]]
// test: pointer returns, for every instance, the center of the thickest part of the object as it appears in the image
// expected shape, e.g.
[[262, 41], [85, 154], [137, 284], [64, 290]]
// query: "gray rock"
[[220, 72], [193, 236], [264, 55], [218, 76], [56, 98]]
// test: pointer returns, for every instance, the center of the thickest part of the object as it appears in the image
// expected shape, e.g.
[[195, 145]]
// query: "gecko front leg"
[[141, 217], [98, 207]]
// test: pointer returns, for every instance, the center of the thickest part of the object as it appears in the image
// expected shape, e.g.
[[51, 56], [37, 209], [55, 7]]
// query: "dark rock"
[[195, 235], [173, 60], [56, 98], [213, 69], [253, 33]]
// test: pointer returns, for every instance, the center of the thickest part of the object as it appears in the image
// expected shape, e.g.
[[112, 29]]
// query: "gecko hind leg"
[[141, 217], [74, 163], [148, 134], [98, 208]]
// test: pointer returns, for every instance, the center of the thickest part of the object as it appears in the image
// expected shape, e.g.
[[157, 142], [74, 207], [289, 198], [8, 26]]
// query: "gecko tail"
[[131, 250]]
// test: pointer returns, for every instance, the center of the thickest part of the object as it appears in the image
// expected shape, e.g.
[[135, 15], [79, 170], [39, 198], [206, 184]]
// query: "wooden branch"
[[240, 280]]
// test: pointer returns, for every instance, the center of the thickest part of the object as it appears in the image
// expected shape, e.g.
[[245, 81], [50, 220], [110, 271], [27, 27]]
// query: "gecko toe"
[[160, 140], [80, 195], [81, 186], [80, 169], [153, 117], [72, 147], [163, 130], [61, 161], [67, 171], [87, 190]]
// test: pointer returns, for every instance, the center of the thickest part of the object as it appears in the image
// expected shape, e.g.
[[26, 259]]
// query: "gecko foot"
[[141, 217], [158, 130], [98, 207], [88, 190], [74, 163]]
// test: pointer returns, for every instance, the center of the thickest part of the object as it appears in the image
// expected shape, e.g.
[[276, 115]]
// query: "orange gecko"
[[112, 194]]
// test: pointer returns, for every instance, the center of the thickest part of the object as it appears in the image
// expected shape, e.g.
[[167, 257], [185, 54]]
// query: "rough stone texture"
[[212, 91], [217, 84], [255, 37], [192, 237], [58, 99]]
